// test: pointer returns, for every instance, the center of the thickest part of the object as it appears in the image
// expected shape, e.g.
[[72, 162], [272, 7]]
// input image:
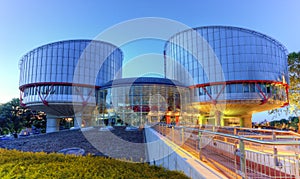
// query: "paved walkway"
[[193, 160]]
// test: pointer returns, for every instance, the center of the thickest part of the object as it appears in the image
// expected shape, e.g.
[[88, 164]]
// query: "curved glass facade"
[[231, 71], [215, 73], [136, 101], [242, 54], [68, 71], [239, 60], [56, 62]]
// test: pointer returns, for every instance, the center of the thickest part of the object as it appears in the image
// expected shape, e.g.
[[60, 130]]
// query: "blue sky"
[[25, 25]]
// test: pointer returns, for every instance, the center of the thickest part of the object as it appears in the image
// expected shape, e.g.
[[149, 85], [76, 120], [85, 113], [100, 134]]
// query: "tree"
[[40, 121], [294, 90], [11, 116], [14, 118], [294, 87]]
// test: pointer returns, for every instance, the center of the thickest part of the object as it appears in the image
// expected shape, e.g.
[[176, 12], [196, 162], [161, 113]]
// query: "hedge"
[[17, 164]]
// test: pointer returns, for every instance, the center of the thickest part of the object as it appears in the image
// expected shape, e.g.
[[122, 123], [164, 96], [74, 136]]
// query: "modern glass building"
[[214, 75], [62, 78], [135, 101], [233, 72]]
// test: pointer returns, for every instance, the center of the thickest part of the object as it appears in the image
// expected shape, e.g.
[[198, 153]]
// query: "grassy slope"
[[16, 164]]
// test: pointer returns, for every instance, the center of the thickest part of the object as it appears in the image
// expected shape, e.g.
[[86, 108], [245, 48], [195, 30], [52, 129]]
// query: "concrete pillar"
[[201, 120], [246, 121], [217, 118], [78, 120], [52, 124], [89, 122], [222, 122]]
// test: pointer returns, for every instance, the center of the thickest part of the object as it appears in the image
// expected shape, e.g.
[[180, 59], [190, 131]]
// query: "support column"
[[52, 124], [217, 118], [89, 122], [246, 121], [202, 120], [222, 121], [78, 120]]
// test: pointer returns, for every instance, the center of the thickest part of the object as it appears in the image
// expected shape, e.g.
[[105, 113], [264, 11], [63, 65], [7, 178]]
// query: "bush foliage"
[[17, 164]]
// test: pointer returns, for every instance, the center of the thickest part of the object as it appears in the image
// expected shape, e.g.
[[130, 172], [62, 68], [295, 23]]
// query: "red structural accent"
[[87, 99], [177, 119], [141, 108], [287, 96], [214, 101], [168, 119], [223, 87], [265, 99], [237, 82], [56, 84], [285, 104], [43, 99], [211, 98], [224, 83], [84, 101]]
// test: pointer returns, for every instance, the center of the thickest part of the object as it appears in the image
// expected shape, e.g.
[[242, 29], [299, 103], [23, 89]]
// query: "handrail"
[[261, 157], [269, 136], [252, 140], [254, 129]]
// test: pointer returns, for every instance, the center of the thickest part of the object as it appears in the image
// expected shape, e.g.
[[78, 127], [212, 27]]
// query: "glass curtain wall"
[[243, 55], [50, 70], [139, 104], [242, 59]]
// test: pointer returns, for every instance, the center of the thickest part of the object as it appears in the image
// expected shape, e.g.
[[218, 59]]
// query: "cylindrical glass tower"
[[233, 71], [62, 78]]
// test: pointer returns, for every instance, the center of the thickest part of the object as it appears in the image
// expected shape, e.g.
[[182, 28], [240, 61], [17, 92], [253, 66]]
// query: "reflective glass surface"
[[57, 62], [50, 71], [137, 104], [218, 53]]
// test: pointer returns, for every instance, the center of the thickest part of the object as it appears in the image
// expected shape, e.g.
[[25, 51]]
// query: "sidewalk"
[[201, 167]]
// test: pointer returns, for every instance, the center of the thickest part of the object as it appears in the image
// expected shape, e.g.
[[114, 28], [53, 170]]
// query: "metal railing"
[[274, 154]]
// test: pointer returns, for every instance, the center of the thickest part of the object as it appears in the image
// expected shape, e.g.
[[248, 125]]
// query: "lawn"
[[17, 164]]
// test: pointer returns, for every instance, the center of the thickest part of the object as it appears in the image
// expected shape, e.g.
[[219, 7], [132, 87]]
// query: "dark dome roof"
[[141, 81]]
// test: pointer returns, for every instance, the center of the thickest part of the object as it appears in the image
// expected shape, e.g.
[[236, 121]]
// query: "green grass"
[[17, 164]]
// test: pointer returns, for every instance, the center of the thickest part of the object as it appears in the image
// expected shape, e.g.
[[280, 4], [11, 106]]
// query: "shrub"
[[17, 164]]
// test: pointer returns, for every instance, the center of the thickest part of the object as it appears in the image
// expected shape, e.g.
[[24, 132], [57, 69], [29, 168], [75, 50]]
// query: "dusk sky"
[[27, 24]]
